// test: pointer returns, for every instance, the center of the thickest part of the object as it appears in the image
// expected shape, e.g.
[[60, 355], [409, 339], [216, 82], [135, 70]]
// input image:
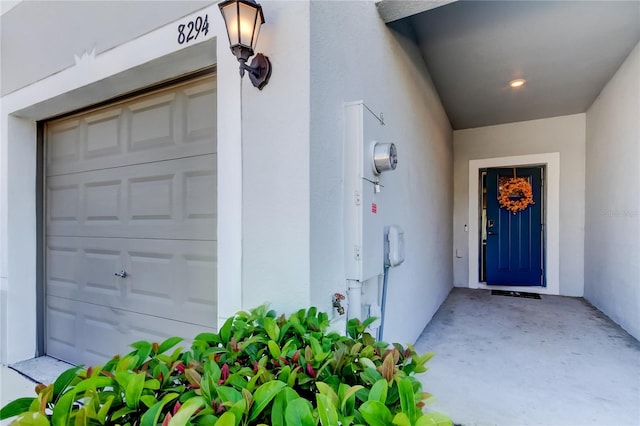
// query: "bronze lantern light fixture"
[[243, 19]]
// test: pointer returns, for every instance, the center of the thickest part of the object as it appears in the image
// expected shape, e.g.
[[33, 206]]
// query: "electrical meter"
[[384, 157]]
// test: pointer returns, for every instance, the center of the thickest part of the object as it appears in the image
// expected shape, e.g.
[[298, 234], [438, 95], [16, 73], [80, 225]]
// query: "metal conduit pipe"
[[354, 292]]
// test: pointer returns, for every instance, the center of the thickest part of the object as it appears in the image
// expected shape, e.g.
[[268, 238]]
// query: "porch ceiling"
[[566, 50]]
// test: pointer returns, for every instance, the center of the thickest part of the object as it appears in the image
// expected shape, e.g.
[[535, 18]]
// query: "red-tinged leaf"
[[176, 407], [387, 369], [190, 406], [167, 419], [151, 416], [45, 398], [193, 377], [310, 371], [224, 373]]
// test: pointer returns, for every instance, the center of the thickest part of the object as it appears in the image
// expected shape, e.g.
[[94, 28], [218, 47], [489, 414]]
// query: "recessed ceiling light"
[[518, 83]]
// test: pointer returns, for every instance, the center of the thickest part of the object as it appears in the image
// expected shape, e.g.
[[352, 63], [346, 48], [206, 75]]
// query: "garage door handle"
[[121, 274]]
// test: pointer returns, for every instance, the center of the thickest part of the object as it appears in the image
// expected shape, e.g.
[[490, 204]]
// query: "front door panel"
[[514, 241]]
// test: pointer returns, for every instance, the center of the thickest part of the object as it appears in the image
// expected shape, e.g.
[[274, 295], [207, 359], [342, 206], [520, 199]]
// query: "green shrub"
[[258, 369]]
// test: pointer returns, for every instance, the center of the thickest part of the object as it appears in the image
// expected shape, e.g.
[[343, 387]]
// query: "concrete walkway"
[[12, 386], [514, 361]]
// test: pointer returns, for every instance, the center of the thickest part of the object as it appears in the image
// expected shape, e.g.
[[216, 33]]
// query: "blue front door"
[[514, 241]]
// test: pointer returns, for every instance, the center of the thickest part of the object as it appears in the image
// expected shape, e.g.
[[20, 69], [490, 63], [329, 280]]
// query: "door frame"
[[551, 218]]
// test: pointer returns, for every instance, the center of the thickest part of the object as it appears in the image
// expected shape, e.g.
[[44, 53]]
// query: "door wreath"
[[516, 194]]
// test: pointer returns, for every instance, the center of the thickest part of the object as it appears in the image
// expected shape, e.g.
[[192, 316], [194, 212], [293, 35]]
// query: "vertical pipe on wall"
[[354, 293]]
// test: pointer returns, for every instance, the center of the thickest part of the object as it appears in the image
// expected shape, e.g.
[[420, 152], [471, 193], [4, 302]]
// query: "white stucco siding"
[[275, 163], [385, 70], [612, 227], [80, 27], [564, 135], [18, 239]]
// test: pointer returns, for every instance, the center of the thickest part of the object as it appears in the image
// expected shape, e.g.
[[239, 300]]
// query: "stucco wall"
[[565, 135], [383, 68], [612, 222], [275, 163], [44, 37]]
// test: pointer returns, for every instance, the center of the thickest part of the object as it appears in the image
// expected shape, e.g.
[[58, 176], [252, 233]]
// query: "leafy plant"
[[258, 369]]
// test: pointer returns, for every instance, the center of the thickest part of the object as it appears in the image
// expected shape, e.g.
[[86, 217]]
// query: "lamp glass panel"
[[247, 21], [230, 14], [256, 33]]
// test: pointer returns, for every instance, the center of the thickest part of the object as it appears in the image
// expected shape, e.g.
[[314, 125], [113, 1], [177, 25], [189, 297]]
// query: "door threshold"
[[44, 369], [522, 294], [529, 289]]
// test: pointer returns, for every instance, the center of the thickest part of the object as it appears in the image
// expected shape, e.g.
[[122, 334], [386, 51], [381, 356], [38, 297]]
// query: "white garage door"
[[131, 187]]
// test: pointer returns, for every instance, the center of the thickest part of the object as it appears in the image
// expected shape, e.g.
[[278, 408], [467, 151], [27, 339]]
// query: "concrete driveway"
[[516, 361]]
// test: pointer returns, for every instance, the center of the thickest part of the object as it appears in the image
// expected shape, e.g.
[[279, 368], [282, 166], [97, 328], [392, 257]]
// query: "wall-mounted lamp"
[[243, 19]]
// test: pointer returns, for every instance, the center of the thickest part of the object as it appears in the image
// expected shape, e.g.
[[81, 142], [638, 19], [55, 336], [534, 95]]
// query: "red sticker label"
[[374, 208]]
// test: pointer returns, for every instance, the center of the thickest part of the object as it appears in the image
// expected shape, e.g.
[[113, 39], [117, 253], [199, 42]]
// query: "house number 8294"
[[192, 29]]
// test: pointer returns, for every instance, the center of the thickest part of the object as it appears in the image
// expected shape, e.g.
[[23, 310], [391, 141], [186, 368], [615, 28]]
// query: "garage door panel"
[[103, 137], [172, 199], [64, 143], [152, 277], [64, 202], [152, 123], [83, 271], [198, 273], [170, 124], [83, 333], [198, 206], [151, 198], [98, 268], [62, 271], [102, 200], [200, 112], [165, 278]]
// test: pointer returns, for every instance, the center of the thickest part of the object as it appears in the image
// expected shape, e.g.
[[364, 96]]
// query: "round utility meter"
[[385, 157]]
